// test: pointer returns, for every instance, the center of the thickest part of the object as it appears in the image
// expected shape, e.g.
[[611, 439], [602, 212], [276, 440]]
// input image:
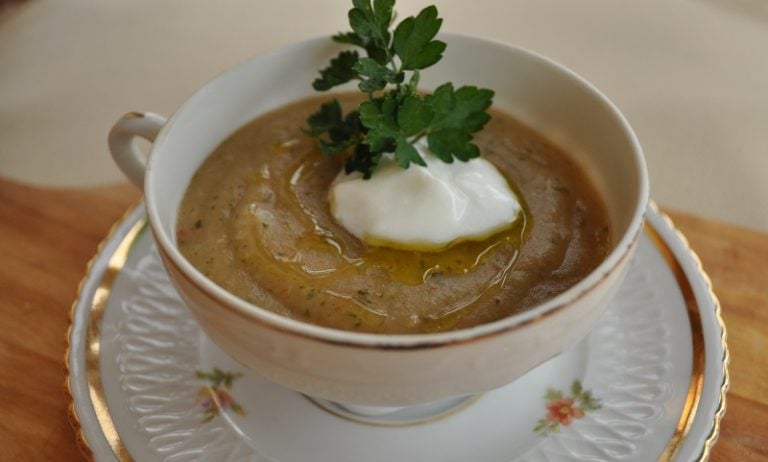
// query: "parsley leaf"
[[392, 120], [340, 71], [461, 109], [327, 117], [458, 114], [378, 116], [405, 153], [371, 24], [450, 142], [413, 40], [350, 38], [377, 76], [414, 115], [340, 132], [363, 160]]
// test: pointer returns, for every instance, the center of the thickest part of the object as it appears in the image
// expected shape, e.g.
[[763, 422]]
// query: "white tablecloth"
[[691, 76]]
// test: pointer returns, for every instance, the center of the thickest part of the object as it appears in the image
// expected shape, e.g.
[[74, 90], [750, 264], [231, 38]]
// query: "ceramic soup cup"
[[392, 370]]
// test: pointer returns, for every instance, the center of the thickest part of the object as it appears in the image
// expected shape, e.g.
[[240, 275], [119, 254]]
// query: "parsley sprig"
[[396, 115]]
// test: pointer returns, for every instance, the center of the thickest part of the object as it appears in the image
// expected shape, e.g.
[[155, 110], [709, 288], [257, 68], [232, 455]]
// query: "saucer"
[[146, 384]]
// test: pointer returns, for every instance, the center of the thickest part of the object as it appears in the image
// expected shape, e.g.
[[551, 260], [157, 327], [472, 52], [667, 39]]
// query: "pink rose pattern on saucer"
[[215, 397], [563, 410]]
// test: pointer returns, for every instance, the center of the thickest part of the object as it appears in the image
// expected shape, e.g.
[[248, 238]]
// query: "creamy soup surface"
[[256, 220]]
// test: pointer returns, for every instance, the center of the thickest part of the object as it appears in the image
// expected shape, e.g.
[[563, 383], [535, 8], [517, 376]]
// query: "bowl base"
[[402, 416]]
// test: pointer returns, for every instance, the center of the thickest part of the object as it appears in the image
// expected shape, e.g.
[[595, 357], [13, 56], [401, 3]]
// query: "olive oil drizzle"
[[405, 267]]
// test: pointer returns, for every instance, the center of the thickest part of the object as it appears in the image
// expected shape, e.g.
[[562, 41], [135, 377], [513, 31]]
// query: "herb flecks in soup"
[[256, 220]]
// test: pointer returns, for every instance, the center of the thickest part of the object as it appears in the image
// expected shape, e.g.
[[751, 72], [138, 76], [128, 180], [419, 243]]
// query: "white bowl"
[[392, 370]]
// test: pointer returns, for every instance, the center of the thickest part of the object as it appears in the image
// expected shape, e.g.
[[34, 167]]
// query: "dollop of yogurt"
[[424, 208]]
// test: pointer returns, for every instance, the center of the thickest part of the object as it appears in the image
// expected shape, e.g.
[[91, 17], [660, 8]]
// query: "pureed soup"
[[256, 220]]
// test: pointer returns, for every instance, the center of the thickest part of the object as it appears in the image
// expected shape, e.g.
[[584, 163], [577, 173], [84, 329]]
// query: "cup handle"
[[121, 142]]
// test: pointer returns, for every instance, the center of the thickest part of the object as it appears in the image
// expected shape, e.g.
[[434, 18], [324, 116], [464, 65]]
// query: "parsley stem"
[[419, 136]]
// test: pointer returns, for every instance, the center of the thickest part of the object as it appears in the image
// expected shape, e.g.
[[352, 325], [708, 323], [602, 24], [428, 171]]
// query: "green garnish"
[[395, 116]]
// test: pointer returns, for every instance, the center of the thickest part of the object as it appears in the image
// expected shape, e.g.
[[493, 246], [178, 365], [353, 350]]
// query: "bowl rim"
[[620, 252]]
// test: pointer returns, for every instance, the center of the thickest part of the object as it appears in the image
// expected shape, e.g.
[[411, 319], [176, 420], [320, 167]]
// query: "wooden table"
[[47, 236]]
